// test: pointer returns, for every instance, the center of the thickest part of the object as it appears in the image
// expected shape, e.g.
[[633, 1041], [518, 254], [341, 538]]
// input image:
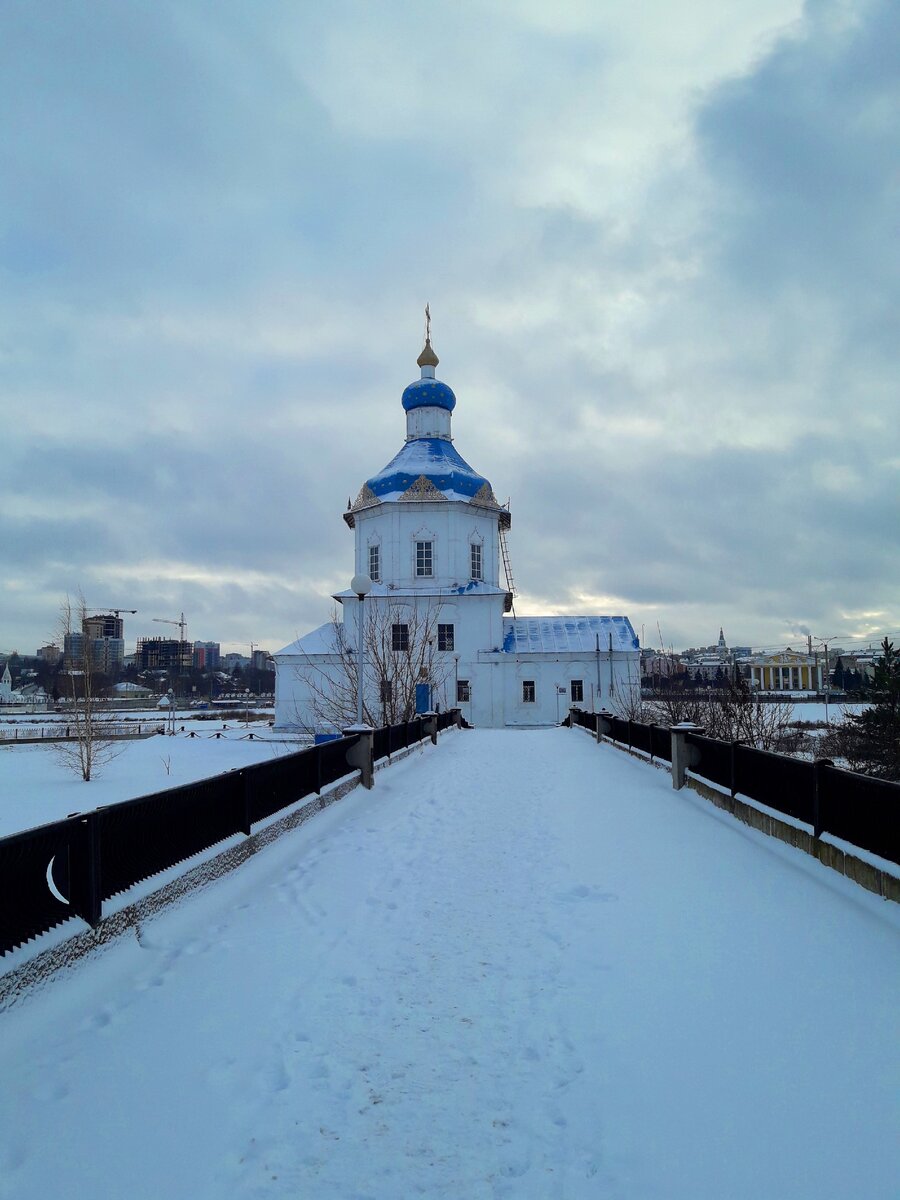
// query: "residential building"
[[163, 654], [206, 656]]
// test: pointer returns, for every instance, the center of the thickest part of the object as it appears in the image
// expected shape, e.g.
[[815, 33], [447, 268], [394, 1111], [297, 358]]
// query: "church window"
[[375, 563], [399, 636], [445, 637], [576, 690], [387, 691], [424, 558], [476, 567], [463, 691], [528, 691]]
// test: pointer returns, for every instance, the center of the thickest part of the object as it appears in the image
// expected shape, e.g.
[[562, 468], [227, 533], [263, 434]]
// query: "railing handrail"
[[842, 810], [52, 872]]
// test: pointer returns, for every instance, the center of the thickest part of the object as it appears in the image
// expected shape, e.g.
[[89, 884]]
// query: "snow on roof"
[[544, 635], [437, 460], [319, 641]]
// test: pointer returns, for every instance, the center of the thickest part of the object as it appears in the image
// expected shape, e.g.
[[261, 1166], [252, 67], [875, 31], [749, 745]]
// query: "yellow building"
[[787, 671]]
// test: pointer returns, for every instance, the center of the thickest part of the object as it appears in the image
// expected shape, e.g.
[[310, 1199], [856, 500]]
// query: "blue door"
[[423, 697]]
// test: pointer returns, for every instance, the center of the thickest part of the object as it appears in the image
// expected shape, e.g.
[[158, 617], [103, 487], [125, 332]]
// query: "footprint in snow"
[[583, 891]]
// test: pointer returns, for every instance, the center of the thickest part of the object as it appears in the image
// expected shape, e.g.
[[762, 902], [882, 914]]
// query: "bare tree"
[[88, 749], [401, 650], [676, 707], [732, 713], [628, 701]]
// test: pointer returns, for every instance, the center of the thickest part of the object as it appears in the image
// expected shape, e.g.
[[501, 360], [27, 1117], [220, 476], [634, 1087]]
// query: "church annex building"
[[429, 533]]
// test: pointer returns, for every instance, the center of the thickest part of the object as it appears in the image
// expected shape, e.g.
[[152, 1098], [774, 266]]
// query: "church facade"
[[438, 623]]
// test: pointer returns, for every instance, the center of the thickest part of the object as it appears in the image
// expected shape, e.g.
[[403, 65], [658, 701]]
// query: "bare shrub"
[[390, 675]]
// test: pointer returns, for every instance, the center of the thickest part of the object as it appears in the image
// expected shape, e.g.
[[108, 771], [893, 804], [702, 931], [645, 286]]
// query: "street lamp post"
[[362, 585]]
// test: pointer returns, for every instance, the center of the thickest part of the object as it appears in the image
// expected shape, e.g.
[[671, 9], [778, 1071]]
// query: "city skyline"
[[661, 267]]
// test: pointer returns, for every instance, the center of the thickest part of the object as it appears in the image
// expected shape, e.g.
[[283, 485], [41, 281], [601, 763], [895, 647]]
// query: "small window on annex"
[[375, 563], [400, 637], [576, 690], [445, 637], [463, 691], [424, 558], [476, 571], [528, 691]]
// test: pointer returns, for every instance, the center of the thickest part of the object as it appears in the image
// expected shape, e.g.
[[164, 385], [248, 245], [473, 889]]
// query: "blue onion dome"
[[426, 393]]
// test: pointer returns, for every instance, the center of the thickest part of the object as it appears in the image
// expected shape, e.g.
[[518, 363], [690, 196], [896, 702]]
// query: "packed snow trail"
[[521, 966]]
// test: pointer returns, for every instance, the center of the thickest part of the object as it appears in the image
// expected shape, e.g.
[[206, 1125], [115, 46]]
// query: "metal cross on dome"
[[427, 323]]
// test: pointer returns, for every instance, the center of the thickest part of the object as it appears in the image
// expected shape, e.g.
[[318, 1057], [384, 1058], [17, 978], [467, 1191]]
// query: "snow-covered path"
[[522, 966]]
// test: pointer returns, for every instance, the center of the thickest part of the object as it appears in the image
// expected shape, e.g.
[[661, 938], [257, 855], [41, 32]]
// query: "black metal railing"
[[855, 808], [70, 867], [655, 740]]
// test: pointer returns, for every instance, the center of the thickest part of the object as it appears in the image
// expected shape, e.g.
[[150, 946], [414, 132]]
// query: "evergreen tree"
[[871, 742]]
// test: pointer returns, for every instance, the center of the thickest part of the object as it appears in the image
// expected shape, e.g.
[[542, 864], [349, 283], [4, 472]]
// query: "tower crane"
[[116, 611], [166, 621]]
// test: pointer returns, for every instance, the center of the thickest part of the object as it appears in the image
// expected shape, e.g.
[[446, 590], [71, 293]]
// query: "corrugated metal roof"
[[547, 635]]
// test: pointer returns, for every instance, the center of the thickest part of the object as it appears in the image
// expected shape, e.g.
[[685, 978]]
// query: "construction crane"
[[166, 621], [116, 611]]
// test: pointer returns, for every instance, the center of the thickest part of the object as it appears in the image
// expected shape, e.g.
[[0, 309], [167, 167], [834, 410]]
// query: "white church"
[[439, 623]]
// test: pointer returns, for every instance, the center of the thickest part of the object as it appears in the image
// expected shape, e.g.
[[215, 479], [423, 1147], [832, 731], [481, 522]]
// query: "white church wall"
[[298, 678], [452, 527]]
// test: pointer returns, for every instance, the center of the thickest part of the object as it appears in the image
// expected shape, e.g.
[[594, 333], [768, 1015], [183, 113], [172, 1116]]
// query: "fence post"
[[246, 799], [604, 729], [818, 764], [733, 768], [362, 753], [430, 726], [682, 758], [84, 870], [629, 733]]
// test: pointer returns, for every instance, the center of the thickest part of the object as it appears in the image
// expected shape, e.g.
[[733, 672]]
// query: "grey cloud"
[[178, 182]]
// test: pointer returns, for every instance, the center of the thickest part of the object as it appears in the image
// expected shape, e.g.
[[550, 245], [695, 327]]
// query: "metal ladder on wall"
[[507, 566]]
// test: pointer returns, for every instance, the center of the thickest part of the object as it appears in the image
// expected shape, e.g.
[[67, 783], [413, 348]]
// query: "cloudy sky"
[[660, 243]]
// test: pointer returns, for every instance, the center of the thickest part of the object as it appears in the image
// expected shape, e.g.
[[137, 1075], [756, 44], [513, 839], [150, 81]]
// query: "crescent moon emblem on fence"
[[51, 885]]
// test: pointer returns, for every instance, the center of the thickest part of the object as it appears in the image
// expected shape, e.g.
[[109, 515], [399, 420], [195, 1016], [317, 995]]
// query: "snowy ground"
[[520, 967], [835, 712], [36, 786]]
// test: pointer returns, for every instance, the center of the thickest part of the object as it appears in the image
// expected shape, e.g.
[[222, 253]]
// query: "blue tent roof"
[[437, 460]]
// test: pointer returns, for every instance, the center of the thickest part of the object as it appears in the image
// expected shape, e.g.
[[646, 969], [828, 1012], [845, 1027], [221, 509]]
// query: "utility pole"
[[824, 643]]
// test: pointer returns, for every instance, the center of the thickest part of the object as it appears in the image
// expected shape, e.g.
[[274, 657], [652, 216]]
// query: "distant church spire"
[[427, 360]]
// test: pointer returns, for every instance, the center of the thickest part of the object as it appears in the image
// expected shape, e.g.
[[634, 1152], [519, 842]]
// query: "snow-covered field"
[[36, 787], [521, 967], [833, 713]]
